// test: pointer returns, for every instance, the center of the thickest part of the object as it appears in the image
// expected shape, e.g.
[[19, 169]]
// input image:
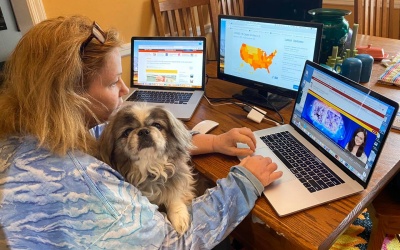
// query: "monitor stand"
[[263, 99]]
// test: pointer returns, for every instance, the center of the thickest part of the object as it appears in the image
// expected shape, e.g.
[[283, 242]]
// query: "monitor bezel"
[[262, 86]]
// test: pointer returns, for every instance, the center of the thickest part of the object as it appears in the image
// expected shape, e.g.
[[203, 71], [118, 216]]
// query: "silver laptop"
[[332, 144], [168, 72]]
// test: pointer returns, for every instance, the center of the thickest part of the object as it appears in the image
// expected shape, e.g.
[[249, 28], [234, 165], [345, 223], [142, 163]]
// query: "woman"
[[357, 144], [63, 79]]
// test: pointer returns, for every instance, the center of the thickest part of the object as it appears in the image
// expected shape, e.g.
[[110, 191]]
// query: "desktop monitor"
[[267, 56], [282, 9]]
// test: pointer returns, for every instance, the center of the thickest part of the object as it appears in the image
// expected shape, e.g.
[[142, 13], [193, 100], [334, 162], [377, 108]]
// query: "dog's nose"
[[143, 132], [145, 140]]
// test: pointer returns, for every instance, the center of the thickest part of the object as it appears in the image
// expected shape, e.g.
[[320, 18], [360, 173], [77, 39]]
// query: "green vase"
[[334, 32]]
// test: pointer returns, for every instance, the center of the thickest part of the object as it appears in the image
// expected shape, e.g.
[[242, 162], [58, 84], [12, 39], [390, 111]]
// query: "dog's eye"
[[127, 132], [157, 125]]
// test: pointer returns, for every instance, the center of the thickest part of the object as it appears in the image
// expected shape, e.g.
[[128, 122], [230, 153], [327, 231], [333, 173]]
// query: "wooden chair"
[[376, 17], [187, 18], [385, 216], [231, 7]]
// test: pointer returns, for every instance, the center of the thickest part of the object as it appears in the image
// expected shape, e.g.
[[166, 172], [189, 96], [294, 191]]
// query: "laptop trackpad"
[[266, 152], [287, 175]]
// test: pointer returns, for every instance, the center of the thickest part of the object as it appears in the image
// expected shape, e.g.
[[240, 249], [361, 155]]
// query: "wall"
[[9, 37], [135, 17], [130, 17]]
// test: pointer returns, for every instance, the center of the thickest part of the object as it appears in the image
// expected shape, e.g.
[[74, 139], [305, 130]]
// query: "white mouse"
[[205, 126]]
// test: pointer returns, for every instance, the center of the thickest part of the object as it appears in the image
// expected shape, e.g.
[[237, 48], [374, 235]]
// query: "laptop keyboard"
[[307, 168], [160, 97]]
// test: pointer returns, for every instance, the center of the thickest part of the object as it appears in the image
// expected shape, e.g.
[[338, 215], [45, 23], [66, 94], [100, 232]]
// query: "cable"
[[261, 115], [272, 105], [216, 99], [246, 107], [255, 114], [220, 100], [273, 121], [276, 111]]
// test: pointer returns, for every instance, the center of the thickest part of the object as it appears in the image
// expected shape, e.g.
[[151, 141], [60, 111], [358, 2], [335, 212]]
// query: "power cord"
[[255, 114]]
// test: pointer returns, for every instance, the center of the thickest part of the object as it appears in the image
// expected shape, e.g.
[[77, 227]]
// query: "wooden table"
[[315, 228]]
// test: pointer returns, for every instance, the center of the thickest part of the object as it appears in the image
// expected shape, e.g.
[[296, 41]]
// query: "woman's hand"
[[226, 143], [262, 168]]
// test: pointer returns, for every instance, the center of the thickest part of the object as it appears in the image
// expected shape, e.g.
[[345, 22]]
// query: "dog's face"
[[150, 148], [140, 142]]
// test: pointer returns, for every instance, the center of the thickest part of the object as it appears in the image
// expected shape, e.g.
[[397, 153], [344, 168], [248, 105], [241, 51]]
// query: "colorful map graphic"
[[256, 57]]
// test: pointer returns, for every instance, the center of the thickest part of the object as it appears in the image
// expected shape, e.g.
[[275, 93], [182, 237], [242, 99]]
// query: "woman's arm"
[[221, 209], [218, 211], [225, 143]]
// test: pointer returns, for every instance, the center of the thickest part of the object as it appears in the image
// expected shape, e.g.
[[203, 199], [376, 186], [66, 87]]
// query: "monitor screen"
[[282, 9], [267, 56]]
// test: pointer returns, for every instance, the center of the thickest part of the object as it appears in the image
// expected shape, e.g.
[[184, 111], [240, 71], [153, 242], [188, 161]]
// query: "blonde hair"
[[44, 82]]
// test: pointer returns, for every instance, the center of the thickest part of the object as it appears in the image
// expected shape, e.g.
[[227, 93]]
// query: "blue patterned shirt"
[[78, 202]]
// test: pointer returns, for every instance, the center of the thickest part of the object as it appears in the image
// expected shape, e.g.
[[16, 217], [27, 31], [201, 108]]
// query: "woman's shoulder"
[[19, 155], [27, 151], [62, 190]]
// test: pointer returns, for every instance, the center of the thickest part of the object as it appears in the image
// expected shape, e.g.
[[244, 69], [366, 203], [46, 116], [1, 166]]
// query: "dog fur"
[[150, 148]]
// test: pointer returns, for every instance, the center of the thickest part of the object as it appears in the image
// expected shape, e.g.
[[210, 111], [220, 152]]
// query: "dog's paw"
[[179, 216]]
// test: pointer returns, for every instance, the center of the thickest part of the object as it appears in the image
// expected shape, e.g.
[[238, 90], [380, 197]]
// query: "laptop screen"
[[168, 62], [346, 120]]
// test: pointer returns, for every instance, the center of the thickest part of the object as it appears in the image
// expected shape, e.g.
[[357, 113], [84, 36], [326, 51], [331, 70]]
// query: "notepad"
[[391, 76]]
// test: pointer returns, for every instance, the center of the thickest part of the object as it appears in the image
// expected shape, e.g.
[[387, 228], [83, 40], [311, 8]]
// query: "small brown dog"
[[150, 148]]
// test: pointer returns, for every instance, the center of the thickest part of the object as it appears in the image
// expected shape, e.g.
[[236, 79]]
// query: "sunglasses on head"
[[97, 33]]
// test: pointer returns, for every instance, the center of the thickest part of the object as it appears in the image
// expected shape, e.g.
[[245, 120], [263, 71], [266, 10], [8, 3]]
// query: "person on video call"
[[62, 81], [357, 144]]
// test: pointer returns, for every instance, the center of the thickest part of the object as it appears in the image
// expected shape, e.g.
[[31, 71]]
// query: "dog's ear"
[[179, 131], [106, 144]]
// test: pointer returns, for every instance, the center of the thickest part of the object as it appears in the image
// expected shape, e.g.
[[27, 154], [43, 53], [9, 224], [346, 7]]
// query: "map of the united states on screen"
[[256, 57]]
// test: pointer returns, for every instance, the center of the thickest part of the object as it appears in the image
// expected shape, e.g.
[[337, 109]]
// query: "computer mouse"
[[205, 126]]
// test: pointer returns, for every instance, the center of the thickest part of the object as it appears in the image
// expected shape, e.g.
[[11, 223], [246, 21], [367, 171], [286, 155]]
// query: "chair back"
[[376, 18], [187, 18], [231, 7]]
